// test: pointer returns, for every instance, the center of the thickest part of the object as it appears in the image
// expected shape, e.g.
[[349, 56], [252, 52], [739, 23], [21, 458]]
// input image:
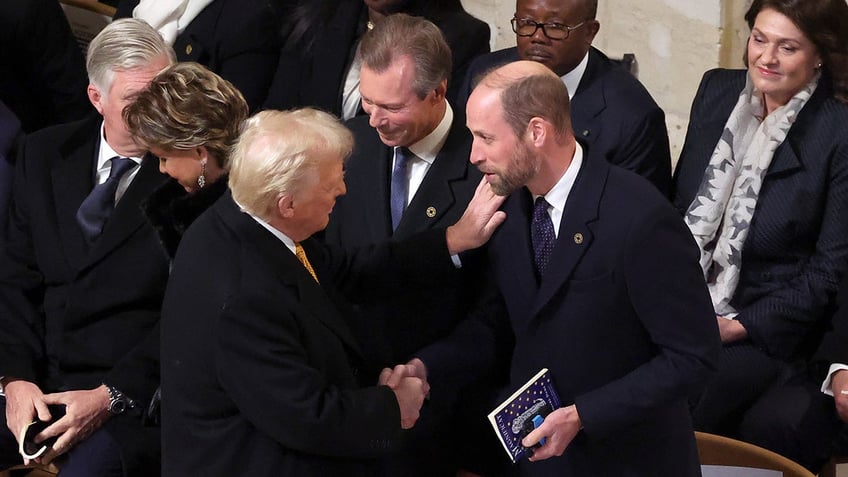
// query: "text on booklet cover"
[[524, 411]]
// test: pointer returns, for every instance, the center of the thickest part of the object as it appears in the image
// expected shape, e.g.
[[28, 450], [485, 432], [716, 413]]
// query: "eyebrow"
[[780, 39]]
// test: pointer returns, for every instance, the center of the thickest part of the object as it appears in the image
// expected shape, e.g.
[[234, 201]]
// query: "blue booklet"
[[524, 411]]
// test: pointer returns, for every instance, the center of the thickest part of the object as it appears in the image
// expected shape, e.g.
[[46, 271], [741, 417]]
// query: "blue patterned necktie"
[[542, 235], [96, 208], [400, 185]]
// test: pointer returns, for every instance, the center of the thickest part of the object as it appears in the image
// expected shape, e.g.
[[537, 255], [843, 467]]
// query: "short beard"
[[522, 166]]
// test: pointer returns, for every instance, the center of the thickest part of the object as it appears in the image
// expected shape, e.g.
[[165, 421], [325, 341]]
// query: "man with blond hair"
[[82, 278], [261, 373]]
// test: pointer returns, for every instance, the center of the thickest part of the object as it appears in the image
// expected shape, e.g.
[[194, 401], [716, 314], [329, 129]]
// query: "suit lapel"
[[378, 218], [127, 216], [787, 157], [435, 196], [72, 179], [586, 104], [329, 64], [189, 45], [513, 245], [291, 273], [575, 233], [320, 298]]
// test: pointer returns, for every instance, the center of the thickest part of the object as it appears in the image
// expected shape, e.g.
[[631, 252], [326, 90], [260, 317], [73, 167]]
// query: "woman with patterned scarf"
[[762, 182]]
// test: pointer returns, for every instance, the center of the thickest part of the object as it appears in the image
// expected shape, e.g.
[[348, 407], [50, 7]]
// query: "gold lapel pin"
[[578, 238], [431, 212], [188, 49]]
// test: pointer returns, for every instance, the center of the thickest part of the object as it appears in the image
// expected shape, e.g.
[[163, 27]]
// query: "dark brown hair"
[[825, 23]]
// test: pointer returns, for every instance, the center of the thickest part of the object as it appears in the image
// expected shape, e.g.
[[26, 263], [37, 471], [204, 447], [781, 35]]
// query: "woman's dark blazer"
[[237, 39], [797, 246]]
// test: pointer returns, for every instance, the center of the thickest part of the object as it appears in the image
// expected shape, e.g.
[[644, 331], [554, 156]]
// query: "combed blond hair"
[[278, 152]]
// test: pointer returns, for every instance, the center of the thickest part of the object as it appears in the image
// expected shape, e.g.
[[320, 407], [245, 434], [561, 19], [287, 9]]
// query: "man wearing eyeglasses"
[[610, 110]]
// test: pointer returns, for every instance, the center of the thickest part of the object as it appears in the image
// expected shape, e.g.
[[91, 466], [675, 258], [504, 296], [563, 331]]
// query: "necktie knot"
[[542, 235], [300, 253], [400, 184], [98, 205], [120, 166]]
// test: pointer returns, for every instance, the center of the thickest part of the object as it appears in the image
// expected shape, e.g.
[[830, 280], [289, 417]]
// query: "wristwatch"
[[118, 401]]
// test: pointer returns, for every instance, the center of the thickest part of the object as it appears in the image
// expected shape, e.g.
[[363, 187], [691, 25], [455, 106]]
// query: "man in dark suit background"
[[237, 39], [43, 76], [602, 285], [318, 65], [80, 283], [261, 371], [610, 110], [409, 172]]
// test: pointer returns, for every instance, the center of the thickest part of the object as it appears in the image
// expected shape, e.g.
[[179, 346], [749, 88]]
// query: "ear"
[[201, 153], [537, 131], [440, 91], [95, 97], [285, 206], [592, 28]]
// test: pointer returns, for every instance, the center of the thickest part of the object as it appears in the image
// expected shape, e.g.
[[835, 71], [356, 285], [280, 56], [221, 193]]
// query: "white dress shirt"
[[558, 195], [425, 151]]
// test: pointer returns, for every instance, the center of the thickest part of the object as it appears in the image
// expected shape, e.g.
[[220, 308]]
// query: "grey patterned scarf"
[[721, 212]]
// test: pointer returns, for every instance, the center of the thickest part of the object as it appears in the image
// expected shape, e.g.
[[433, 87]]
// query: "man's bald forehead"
[[588, 9], [510, 73]]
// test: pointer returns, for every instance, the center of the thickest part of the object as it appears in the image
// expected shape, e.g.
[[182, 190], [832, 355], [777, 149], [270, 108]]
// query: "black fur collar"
[[170, 210]]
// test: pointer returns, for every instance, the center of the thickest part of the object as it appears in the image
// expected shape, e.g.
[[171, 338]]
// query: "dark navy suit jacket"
[[43, 76], [316, 77], [73, 316], [238, 39], [622, 319], [414, 318], [797, 246], [610, 111], [258, 360]]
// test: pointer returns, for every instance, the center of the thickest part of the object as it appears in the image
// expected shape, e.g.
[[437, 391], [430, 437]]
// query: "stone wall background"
[[675, 42]]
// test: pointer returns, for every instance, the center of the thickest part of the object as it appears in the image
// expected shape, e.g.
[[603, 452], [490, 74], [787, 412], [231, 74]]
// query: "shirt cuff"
[[456, 261], [833, 369]]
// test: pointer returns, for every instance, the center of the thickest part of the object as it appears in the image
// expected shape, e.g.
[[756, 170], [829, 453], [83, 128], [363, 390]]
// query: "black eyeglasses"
[[553, 30]]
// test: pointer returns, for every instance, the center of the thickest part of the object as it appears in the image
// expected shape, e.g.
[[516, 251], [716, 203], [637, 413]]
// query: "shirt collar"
[[573, 77], [558, 195], [106, 152], [429, 146], [289, 243]]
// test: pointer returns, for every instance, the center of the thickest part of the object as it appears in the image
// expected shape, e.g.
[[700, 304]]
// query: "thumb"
[[383, 379]]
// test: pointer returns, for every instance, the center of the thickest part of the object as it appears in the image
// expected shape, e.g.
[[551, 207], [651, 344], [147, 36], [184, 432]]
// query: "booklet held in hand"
[[28, 447], [524, 411]]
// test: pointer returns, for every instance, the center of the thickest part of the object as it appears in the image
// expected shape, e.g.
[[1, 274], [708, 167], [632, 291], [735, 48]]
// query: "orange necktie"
[[301, 255]]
